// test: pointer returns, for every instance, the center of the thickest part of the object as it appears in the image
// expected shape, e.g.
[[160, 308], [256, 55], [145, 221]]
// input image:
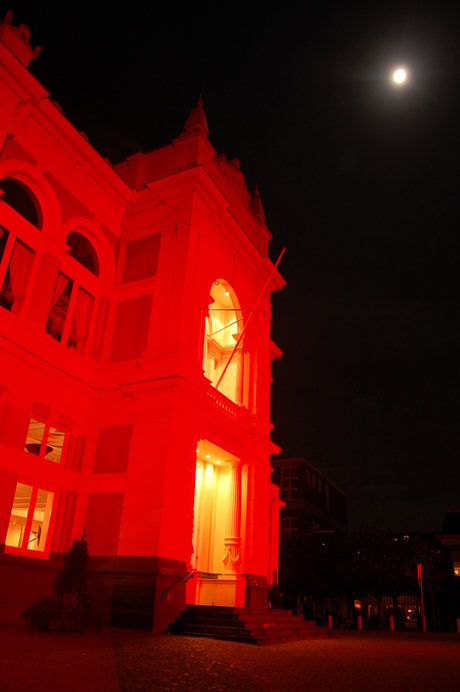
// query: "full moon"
[[399, 76]]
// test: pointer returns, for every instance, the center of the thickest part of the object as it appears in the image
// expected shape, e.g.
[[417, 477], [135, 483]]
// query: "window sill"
[[29, 554]]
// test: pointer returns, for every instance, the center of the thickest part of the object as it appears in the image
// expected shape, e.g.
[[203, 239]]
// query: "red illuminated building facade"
[[126, 411]]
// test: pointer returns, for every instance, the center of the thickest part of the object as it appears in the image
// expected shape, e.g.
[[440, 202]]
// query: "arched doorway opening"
[[224, 324]]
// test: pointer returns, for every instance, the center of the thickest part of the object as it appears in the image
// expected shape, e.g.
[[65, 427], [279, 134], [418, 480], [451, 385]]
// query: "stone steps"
[[246, 625]]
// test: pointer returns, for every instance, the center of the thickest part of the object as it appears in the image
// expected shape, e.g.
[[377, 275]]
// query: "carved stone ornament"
[[233, 170], [16, 38]]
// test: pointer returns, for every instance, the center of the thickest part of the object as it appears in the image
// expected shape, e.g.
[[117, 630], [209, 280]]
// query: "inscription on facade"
[[217, 430]]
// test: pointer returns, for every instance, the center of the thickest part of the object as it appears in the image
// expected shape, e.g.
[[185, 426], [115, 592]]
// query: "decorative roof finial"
[[197, 119]]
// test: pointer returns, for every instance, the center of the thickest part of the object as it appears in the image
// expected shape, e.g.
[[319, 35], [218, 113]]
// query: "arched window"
[[223, 328], [20, 219], [82, 251], [72, 311], [18, 196]]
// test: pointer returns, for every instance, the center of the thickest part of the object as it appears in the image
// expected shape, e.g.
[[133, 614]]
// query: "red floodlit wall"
[[113, 327]]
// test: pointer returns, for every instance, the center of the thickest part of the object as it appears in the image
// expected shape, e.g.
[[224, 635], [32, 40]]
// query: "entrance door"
[[210, 511], [213, 585]]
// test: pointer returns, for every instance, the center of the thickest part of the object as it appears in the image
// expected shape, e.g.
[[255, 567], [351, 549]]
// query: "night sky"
[[359, 180]]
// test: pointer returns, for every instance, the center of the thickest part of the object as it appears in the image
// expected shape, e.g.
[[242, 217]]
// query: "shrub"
[[73, 606]]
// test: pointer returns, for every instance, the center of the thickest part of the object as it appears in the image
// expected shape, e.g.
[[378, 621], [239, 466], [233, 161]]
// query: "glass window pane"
[[41, 520], [18, 196], [59, 306], [6, 294], [17, 277], [3, 238], [81, 319], [34, 437], [54, 445], [82, 251], [18, 516]]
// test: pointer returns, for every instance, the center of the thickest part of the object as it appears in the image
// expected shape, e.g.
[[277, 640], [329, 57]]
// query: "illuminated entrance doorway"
[[218, 534]]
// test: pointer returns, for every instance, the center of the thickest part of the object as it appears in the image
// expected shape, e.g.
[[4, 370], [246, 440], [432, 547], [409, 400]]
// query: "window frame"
[[88, 282], [287, 489], [48, 424], [25, 551], [19, 228], [289, 532]]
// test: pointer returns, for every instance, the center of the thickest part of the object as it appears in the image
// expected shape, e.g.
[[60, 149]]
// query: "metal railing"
[[262, 593], [167, 592]]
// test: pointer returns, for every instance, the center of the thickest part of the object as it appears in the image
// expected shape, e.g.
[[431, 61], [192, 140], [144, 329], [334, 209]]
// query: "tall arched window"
[[72, 311], [20, 198], [223, 327], [20, 221]]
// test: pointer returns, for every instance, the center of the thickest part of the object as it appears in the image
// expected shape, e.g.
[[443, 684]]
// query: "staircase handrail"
[[171, 587], [262, 593]]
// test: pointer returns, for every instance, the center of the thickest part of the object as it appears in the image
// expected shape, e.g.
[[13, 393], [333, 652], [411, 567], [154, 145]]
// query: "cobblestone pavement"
[[126, 661]]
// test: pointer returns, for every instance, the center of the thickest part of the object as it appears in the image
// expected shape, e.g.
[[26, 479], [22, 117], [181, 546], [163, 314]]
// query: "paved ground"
[[126, 661]]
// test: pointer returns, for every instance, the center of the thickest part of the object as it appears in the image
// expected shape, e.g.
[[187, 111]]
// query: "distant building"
[[312, 501], [312, 504], [135, 359], [450, 539], [450, 544]]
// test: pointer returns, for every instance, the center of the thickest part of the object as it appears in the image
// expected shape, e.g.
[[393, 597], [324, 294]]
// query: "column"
[[239, 389], [232, 540]]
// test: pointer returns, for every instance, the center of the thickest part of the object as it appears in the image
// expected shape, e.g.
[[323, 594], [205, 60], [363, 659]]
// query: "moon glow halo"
[[399, 76]]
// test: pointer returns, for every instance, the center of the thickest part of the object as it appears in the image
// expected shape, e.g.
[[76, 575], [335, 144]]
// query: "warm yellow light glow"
[[197, 450], [399, 75], [226, 293], [208, 456], [217, 462]]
